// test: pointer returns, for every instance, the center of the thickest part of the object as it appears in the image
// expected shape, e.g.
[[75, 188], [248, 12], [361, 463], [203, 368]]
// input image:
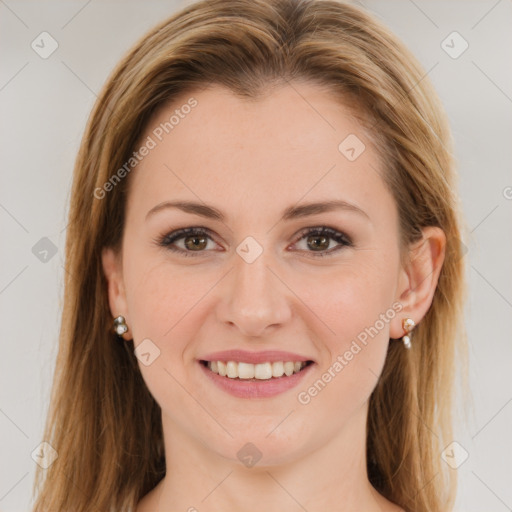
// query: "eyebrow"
[[289, 213]]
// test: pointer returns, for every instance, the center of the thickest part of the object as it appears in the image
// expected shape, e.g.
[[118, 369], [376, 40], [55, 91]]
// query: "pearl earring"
[[407, 325], [120, 326]]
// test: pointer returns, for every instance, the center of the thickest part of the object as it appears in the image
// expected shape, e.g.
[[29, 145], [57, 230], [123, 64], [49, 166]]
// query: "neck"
[[332, 476]]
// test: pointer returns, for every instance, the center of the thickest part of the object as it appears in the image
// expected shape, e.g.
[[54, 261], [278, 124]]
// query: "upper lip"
[[245, 356]]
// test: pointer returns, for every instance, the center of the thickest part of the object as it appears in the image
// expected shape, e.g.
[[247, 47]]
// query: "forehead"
[[297, 141]]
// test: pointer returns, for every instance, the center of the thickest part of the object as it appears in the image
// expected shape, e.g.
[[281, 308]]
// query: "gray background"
[[44, 104]]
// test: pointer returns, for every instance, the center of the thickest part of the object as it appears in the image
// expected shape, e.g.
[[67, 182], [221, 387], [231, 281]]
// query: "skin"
[[251, 160]]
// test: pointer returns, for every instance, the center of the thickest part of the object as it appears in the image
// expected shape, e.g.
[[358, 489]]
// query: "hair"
[[102, 419]]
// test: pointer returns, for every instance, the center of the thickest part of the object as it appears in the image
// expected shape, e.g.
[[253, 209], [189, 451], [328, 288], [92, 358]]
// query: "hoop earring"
[[120, 326], [407, 325]]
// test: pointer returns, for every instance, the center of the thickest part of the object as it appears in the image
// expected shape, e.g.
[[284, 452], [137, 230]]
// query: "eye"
[[190, 240], [195, 240], [318, 241]]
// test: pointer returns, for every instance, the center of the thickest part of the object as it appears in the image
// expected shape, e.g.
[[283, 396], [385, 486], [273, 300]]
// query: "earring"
[[407, 325], [120, 326]]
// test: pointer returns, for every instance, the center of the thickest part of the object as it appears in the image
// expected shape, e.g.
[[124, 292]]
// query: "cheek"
[[163, 306], [355, 304], [159, 295], [167, 305], [351, 298], [358, 309]]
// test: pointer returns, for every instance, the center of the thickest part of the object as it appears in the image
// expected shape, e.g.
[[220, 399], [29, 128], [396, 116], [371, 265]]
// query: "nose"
[[254, 300]]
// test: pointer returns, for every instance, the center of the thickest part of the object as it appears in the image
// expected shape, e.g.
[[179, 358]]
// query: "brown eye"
[[195, 242], [187, 241], [316, 242]]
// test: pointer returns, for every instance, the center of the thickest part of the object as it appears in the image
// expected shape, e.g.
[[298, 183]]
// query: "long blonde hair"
[[103, 422]]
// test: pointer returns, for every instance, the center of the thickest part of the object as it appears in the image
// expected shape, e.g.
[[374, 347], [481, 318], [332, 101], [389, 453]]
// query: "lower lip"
[[256, 389]]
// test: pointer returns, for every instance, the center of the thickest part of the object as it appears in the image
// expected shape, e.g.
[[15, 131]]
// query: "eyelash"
[[344, 241]]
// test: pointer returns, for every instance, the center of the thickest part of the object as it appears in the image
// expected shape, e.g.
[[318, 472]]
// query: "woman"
[[264, 274]]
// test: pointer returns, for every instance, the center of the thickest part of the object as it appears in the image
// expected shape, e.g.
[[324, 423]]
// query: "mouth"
[[249, 372], [255, 380]]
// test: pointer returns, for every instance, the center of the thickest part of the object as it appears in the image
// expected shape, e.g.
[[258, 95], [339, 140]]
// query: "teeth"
[[288, 368], [263, 371], [277, 369], [260, 371], [245, 370], [232, 369]]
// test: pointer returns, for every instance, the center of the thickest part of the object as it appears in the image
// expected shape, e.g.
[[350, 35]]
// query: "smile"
[[263, 379], [260, 371]]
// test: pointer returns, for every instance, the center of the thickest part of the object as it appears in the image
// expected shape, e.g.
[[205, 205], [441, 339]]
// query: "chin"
[[257, 449]]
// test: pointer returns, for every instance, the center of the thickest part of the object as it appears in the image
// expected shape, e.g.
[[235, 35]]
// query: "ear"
[[112, 267], [419, 277]]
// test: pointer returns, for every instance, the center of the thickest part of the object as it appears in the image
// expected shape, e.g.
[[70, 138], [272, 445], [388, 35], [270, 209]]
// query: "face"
[[259, 272]]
